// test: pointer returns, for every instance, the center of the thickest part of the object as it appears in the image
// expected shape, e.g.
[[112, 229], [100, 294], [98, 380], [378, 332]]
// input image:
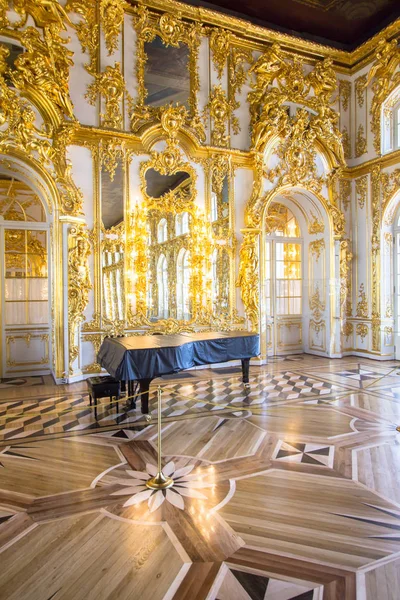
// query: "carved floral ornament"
[[279, 80]]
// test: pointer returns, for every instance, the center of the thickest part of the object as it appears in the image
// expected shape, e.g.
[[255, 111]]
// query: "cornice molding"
[[387, 160], [258, 36]]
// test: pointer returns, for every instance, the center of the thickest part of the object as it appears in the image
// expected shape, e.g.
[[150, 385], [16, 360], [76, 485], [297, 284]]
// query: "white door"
[[25, 299], [283, 295], [397, 295]]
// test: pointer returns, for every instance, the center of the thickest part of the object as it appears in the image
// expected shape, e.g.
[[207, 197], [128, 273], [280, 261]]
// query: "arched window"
[[162, 285], [183, 278], [162, 231], [182, 223]]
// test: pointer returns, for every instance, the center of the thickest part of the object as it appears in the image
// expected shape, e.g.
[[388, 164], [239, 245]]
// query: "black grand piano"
[[140, 359]]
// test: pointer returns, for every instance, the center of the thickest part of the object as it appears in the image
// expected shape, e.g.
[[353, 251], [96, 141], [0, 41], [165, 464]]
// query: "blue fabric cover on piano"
[[147, 357]]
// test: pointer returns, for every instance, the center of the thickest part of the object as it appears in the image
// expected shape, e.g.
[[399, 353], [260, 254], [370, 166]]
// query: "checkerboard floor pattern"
[[71, 413]]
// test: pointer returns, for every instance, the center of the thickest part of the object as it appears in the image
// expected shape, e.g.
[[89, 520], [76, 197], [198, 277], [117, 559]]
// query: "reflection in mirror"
[[157, 185], [220, 203], [220, 257], [166, 75], [112, 245], [162, 285], [220, 263], [112, 198], [168, 279], [182, 285]]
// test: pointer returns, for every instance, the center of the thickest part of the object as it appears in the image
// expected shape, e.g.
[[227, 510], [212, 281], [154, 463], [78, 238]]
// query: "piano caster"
[[247, 386], [148, 418]]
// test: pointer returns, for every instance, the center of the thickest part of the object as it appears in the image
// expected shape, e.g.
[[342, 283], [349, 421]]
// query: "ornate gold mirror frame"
[[173, 32], [169, 162]]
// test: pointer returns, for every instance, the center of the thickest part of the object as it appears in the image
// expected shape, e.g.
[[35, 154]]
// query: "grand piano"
[[140, 359]]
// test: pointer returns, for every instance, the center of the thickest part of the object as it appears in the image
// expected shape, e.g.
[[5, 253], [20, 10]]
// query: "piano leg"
[[245, 371], [131, 403], [144, 389]]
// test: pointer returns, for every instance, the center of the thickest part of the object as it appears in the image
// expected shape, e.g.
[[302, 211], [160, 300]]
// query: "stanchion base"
[[159, 482]]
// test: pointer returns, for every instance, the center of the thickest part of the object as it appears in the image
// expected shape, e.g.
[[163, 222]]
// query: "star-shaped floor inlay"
[[299, 452]]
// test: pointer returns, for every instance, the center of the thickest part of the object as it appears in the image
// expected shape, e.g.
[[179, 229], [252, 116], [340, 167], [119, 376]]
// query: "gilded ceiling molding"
[[110, 85], [111, 19], [173, 32], [221, 111], [259, 36], [384, 80], [87, 30], [220, 41], [78, 286]]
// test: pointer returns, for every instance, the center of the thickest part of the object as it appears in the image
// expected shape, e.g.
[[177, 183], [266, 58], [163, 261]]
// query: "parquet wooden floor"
[[289, 491]]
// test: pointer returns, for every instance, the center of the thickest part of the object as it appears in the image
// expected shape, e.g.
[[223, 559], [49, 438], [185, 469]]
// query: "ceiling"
[[343, 24]]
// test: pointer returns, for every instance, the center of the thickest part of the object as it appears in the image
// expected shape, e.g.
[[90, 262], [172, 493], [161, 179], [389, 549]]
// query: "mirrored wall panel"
[[166, 75], [112, 245]]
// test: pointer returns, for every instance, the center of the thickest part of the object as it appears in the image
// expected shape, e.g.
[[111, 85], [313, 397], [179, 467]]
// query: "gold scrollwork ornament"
[[78, 285]]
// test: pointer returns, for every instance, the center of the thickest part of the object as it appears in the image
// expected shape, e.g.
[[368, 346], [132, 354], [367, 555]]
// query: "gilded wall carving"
[[344, 93], [362, 304], [383, 79], [79, 285], [290, 106], [111, 86], [362, 190], [173, 31]]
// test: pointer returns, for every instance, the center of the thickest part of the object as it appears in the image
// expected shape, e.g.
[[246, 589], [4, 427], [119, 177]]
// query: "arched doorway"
[[26, 280], [283, 254], [390, 280], [296, 256]]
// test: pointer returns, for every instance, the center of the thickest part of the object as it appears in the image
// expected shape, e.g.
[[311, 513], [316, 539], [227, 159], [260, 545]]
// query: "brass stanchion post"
[[160, 481]]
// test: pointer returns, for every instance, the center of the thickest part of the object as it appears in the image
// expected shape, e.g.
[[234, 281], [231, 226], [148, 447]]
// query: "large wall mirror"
[[112, 246], [167, 68], [166, 73], [169, 245]]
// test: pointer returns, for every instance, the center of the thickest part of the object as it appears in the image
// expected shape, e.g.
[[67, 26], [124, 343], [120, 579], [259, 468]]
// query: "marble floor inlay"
[[287, 491]]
